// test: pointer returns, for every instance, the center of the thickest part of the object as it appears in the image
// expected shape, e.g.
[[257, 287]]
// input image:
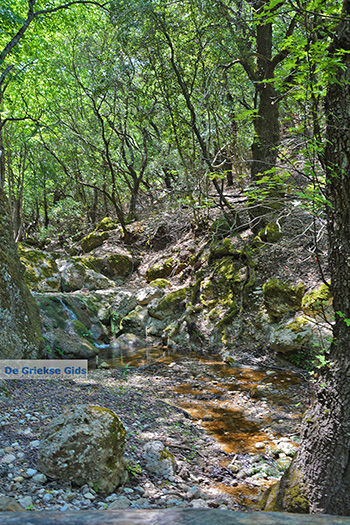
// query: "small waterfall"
[[71, 315]]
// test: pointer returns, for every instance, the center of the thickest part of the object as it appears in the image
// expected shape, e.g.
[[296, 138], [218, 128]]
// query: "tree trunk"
[[319, 476], [266, 124]]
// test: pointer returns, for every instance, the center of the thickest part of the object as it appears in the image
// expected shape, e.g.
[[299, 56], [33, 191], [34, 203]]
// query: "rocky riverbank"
[[231, 432]]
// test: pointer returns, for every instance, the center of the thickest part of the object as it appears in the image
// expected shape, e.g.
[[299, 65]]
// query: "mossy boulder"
[[41, 270], [115, 266], [160, 283], [76, 275], [93, 240], [119, 265], [271, 233], [85, 445], [135, 321], [70, 325], [221, 248], [107, 224], [281, 298], [20, 331], [292, 336], [160, 270], [122, 304], [317, 302], [170, 305]]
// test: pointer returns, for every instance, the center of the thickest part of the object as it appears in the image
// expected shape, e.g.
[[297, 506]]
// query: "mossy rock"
[[221, 248], [41, 271], [281, 298], [161, 283], [171, 304], [292, 336], [287, 495], [93, 240], [135, 321], [317, 301], [270, 233], [114, 266], [160, 270], [107, 224], [119, 265], [20, 330]]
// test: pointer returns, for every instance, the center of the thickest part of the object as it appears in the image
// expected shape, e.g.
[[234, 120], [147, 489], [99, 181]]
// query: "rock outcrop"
[[20, 332]]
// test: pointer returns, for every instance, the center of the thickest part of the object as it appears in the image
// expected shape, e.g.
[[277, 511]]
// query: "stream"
[[253, 413]]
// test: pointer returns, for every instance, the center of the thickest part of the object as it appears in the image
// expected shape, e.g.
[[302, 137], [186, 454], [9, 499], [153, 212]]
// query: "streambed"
[[252, 413]]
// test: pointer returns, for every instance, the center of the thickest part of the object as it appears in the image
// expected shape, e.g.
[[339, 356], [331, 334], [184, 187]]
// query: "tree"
[[319, 476]]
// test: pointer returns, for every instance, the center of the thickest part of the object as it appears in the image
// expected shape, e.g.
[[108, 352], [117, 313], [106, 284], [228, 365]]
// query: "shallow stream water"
[[217, 394]]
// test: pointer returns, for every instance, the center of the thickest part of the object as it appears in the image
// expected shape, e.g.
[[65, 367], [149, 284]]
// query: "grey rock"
[[85, 446], [30, 472], [39, 478], [159, 460], [8, 458], [26, 501], [121, 502]]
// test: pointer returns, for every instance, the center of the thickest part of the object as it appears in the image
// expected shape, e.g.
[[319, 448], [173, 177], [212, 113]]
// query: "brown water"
[[211, 396], [242, 408]]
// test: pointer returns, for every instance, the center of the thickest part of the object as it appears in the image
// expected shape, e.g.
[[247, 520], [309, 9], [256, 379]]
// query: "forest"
[[175, 209]]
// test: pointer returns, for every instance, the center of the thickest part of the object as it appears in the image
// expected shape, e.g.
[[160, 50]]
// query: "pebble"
[[259, 445], [121, 502], [26, 501], [18, 479], [34, 444], [39, 478], [47, 497], [30, 472], [111, 497], [89, 496], [193, 493], [8, 458]]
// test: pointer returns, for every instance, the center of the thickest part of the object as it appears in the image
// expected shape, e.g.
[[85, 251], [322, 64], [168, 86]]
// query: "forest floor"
[[231, 430]]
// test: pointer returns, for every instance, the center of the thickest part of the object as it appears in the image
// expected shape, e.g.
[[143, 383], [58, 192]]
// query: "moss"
[[281, 298], [41, 271], [93, 240], [20, 331], [222, 248], [160, 283], [171, 303], [288, 495], [82, 330], [119, 265], [270, 234], [107, 224], [317, 301], [160, 270]]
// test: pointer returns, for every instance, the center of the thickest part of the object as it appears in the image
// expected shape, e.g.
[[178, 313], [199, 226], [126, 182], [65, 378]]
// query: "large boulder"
[[317, 303], [20, 331], [292, 336], [281, 299], [71, 325], [75, 275], [85, 445], [161, 270], [41, 270], [93, 240]]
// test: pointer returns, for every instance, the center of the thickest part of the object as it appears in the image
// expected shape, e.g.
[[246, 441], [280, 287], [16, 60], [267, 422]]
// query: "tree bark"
[[319, 476]]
